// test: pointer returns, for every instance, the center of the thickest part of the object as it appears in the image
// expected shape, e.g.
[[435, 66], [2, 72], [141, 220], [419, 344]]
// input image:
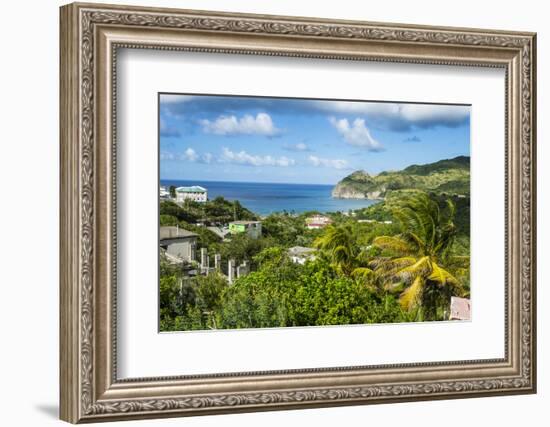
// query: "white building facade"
[[317, 221], [164, 193], [195, 193], [301, 254]]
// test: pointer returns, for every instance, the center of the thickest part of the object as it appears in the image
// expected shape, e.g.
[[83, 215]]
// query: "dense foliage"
[[401, 265], [212, 212], [412, 262], [279, 293], [449, 177]]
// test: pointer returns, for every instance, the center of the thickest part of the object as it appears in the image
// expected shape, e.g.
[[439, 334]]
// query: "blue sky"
[[252, 139]]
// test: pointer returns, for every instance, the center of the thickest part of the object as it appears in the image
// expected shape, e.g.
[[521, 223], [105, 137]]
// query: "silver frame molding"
[[90, 37]]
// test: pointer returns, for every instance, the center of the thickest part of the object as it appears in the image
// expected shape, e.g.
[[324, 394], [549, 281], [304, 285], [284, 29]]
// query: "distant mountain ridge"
[[449, 176]]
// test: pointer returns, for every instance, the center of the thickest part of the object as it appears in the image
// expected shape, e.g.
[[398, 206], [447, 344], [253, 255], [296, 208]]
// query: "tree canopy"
[[401, 270]]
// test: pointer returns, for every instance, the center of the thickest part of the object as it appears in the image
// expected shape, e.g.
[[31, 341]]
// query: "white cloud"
[[328, 163], [228, 156], [431, 113], [300, 146], [246, 125], [401, 117], [169, 98], [356, 133], [244, 158], [192, 156]]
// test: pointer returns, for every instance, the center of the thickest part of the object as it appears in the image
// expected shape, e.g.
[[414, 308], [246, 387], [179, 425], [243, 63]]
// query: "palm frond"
[[451, 210], [379, 261], [388, 268], [418, 241], [340, 252], [442, 276], [412, 296], [420, 252], [420, 268], [400, 262], [339, 244], [394, 287], [393, 243], [362, 273]]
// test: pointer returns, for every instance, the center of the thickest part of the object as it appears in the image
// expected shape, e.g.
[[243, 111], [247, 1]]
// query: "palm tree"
[[341, 246], [414, 266]]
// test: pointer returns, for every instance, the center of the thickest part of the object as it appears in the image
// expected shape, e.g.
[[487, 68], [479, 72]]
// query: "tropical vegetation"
[[449, 177], [397, 261]]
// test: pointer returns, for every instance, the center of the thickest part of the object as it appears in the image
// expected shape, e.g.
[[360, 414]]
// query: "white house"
[[164, 193], [317, 221], [301, 254], [195, 193]]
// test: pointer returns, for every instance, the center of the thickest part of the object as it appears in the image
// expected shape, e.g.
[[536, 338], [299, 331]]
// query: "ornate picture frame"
[[90, 37]]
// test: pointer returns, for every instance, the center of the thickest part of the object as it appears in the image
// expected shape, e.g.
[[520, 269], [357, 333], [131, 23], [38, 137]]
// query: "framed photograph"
[[266, 212]]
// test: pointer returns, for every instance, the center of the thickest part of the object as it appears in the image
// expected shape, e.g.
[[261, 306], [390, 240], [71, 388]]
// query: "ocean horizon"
[[264, 198]]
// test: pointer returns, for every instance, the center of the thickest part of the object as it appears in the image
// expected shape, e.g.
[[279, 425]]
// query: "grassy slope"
[[450, 176]]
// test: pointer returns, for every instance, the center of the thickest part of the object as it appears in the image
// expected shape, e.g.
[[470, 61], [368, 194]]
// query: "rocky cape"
[[449, 176]]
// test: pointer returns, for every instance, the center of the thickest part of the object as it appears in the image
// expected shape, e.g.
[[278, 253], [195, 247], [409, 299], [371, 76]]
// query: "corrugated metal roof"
[[192, 189]]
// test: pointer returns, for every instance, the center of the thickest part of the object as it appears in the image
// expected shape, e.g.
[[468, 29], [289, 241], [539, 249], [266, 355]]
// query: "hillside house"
[[317, 221], [252, 228], [195, 193], [301, 254], [178, 243], [164, 194]]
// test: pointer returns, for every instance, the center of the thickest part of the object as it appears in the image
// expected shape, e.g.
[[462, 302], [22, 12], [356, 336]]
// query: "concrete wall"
[[184, 249]]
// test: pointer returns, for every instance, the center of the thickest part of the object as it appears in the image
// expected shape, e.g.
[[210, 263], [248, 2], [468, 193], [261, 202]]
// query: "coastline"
[[268, 198]]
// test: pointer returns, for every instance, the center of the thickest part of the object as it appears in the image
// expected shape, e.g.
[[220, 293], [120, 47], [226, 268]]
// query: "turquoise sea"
[[266, 198]]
